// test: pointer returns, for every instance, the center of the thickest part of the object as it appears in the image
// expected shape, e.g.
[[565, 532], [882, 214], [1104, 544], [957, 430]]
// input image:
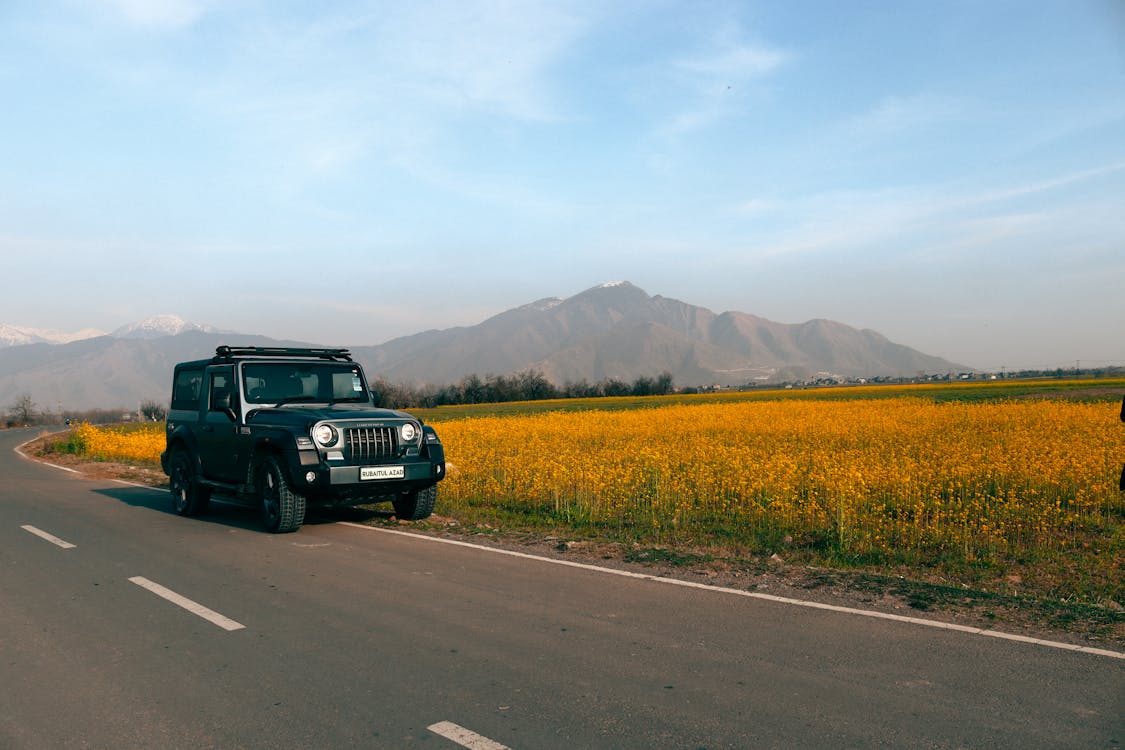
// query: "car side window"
[[222, 390], [185, 394]]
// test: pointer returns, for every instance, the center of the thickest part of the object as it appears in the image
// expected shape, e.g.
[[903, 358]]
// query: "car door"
[[220, 445]]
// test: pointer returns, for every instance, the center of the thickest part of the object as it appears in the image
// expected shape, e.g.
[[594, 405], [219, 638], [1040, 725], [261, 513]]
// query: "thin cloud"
[[1052, 183], [758, 207], [899, 114], [402, 87], [731, 65], [936, 221], [159, 14], [490, 58], [714, 82]]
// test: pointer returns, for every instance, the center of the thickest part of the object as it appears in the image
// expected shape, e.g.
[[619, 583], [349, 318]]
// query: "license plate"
[[382, 472]]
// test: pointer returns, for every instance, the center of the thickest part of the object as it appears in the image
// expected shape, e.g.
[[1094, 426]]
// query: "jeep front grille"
[[370, 443]]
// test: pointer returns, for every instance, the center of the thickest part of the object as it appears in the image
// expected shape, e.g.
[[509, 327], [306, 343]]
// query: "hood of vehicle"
[[301, 414]]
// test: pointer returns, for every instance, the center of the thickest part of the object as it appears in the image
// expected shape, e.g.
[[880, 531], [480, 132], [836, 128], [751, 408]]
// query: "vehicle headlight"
[[325, 434], [408, 432]]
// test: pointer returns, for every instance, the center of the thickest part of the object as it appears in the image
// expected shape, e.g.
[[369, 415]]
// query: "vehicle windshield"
[[315, 382]]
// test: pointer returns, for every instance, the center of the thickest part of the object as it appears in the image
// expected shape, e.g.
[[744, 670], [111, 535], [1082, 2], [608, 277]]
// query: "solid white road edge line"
[[19, 452], [720, 589], [49, 537], [195, 608], [757, 595], [465, 737]]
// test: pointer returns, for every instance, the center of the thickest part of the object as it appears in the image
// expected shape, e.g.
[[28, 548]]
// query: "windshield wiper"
[[292, 399]]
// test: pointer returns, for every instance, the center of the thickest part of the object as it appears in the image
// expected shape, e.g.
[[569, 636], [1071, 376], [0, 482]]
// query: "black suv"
[[282, 428]]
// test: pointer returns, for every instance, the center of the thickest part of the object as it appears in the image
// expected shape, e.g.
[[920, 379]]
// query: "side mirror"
[[376, 399], [224, 403]]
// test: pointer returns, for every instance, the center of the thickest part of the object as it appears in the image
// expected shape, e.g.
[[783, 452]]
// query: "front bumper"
[[349, 476], [327, 479], [331, 484]]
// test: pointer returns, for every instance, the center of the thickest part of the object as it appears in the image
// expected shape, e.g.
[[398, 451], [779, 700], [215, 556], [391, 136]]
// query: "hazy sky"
[[950, 174]]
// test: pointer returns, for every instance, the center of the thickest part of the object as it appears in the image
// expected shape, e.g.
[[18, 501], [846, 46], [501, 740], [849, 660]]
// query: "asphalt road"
[[343, 637]]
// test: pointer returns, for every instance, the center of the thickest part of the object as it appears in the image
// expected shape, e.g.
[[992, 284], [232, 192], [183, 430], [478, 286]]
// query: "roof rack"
[[226, 353]]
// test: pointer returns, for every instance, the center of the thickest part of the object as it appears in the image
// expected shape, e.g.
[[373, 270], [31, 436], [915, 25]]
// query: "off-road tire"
[[189, 497], [283, 510], [414, 506]]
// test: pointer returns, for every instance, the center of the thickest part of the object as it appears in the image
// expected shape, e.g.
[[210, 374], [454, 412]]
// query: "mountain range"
[[152, 327], [21, 335], [614, 330]]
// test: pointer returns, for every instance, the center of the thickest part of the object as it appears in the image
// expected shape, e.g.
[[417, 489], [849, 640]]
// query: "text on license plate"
[[382, 472]]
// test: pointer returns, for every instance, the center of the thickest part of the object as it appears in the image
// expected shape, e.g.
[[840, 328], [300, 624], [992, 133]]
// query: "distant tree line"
[[530, 385], [471, 389], [23, 412]]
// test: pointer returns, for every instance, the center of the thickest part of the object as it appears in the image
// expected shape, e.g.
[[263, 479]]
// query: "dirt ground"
[[1079, 624]]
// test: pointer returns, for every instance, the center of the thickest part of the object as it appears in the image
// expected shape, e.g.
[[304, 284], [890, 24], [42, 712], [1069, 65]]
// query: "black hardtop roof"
[[228, 354]]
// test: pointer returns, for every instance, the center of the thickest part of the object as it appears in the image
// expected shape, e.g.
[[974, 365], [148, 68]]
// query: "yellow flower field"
[[902, 479], [138, 443]]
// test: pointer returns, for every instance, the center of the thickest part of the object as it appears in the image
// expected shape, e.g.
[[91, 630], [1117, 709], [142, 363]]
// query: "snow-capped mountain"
[[19, 335], [154, 327], [157, 326]]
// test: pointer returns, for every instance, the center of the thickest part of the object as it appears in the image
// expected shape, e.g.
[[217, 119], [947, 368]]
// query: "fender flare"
[[183, 438]]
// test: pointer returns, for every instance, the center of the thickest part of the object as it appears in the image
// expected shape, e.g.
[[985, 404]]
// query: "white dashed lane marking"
[[49, 537], [465, 737], [194, 607]]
